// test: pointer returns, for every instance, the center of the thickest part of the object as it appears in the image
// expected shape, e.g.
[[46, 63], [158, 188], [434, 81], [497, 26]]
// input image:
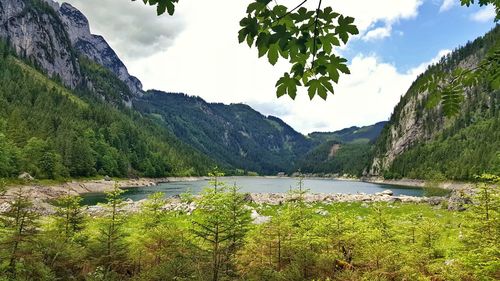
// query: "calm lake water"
[[262, 185]]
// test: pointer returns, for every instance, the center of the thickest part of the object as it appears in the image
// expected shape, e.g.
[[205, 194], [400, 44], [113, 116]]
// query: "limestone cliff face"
[[412, 123], [406, 130], [52, 36], [95, 47], [36, 32]]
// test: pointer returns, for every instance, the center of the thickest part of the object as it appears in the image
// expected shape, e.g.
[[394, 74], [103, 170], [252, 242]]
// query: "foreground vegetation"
[[218, 241]]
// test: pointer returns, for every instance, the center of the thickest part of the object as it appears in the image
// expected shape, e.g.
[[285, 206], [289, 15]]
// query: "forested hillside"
[[52, 132], [343, 152], [236, 135], [419, 142], [352, 134]]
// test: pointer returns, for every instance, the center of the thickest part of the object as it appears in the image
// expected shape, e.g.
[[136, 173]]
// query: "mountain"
[[162, 134], [419, 142], [235, 135], [95, 47], [54, 37], [69, 103], [344, 152], [352, 134], [64, 110]]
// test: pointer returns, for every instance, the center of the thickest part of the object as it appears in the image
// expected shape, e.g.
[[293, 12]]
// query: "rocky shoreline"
[[176, 204], [449, 185], [42, 195]]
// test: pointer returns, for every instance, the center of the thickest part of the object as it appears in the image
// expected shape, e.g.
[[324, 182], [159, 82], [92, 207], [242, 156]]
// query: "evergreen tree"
[[482, 229], [70, 215], [111, 233], [220, 222], [20, 228]]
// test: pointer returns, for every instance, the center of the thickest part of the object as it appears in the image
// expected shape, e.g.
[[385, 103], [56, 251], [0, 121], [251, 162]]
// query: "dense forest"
[[346, 152], [457, 147], [235, 135], [53, 133], [459, 156], [353, 134], [339, 159], [218, 241]]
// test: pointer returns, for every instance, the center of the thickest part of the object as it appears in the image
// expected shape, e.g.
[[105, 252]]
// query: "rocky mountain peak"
[[49, 34], [95, 47], [36, 33]]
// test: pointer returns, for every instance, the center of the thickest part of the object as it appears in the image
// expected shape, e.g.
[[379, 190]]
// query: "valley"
[[103, 179]]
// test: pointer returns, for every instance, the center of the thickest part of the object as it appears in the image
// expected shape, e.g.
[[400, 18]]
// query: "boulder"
[[322, 212], [434, 201], [259, 219], [247, 197], [458, 202], [25, 176], [4, 207], [394, 200], [387, 192]]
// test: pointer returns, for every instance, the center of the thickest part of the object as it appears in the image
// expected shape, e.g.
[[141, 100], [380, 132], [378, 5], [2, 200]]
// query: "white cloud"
[[447, 5], [366, 96], [378, 33], [423, 66], [130, 27], [206, 60], [485, 14], [368, 14]]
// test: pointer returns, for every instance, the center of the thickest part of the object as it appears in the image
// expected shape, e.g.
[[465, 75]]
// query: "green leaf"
[[273, 54], [346, 28], [316, 87], [242, 34], [451, 99], [328, 41], [287, 85], [335, 66], [162, 6]]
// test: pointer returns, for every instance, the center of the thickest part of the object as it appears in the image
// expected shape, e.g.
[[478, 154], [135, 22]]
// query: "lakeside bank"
[[48, 192]]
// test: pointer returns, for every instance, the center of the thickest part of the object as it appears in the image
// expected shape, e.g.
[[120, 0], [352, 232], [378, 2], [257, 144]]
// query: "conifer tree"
[[20, 223], [110, 233]]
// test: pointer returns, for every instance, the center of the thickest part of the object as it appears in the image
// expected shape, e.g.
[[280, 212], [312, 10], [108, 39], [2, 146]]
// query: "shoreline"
[[42, 195], [39, 192], [448, 185]]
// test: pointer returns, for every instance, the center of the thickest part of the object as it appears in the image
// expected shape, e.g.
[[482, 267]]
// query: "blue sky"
[[196, 52], [418, 39]]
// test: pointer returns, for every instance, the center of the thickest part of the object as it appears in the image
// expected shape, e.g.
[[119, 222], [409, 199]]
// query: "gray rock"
[[95, 47], [40, 36], [435, 201], [25, 176], [259, 219], [4, 207], [322, 212], [458, 202], [387, 192], [50, 39], [395, 200], [248, 198]]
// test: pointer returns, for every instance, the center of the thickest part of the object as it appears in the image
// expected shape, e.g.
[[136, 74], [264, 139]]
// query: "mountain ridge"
[[413, 142]]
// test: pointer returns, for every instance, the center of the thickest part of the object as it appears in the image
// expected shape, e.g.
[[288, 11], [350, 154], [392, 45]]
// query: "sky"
[[196, 52]]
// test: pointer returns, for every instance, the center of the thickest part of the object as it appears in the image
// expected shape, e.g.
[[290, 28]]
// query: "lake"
[[260, 185]]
